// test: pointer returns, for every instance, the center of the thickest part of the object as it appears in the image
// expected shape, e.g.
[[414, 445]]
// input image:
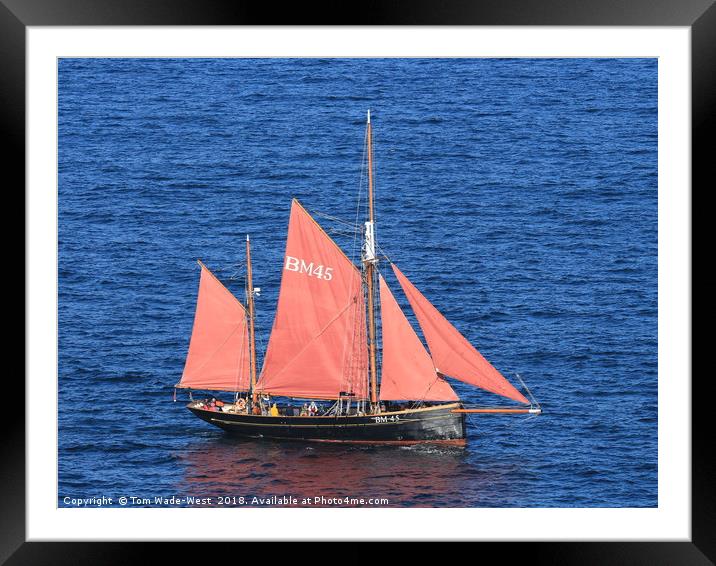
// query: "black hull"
[[431, 425]]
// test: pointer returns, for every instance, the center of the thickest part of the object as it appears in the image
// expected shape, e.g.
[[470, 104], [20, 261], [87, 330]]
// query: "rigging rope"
[[335, 219]]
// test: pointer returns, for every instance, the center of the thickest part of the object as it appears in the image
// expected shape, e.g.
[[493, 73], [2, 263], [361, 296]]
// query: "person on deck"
[[274, 410], [313, 409]]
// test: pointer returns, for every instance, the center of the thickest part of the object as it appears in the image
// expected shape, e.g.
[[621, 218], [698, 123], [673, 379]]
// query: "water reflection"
[[421, 476]]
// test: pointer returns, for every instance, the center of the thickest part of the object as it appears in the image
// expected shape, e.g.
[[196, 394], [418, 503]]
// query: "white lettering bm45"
[[300, 266]]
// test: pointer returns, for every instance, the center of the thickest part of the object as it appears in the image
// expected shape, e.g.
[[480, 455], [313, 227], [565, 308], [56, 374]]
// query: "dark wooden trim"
[[699, 14]]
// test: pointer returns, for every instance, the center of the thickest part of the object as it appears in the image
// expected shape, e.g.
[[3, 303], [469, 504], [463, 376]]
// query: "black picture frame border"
[[699, 15]]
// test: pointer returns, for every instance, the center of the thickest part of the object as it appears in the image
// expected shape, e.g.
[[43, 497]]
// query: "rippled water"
[[520, 195]]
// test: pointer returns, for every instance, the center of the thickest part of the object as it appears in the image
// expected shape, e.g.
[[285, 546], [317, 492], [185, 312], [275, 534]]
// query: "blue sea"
[[519, 195]]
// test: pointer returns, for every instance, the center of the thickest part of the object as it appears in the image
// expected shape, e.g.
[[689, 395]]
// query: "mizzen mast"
[[250, 292], [369, 261]]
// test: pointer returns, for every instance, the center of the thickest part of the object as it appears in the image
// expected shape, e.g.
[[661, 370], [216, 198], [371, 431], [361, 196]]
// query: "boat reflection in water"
[[416, 476]]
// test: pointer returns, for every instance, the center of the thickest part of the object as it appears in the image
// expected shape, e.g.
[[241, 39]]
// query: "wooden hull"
[[429, 425]]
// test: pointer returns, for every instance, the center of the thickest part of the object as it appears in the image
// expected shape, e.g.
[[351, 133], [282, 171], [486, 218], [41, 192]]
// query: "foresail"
[[218, 355], [407, 370], [318, 345], [452, 354]]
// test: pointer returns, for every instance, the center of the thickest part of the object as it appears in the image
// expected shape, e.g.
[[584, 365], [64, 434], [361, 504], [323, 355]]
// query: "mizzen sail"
[[317, 347], [452, 354], [407, 370], [218, 355]]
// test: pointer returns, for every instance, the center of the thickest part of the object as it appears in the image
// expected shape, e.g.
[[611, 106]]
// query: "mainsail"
[[317, 347], [407, 370], [218, 355], [452, 354]]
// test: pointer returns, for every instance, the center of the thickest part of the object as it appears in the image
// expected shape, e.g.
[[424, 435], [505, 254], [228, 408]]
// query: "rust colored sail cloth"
[[407, 370], [317, 347], [452, 354], [218, 355]]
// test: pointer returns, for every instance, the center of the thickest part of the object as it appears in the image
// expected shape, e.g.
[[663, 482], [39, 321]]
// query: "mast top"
[[247, 237], [369, 115]]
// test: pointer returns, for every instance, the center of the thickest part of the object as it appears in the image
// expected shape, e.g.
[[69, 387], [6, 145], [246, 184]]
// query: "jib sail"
[[408, 372], [452, 354]]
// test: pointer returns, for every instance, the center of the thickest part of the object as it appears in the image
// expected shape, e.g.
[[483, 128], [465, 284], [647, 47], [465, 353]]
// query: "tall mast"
[[252, 340], [370, 260]]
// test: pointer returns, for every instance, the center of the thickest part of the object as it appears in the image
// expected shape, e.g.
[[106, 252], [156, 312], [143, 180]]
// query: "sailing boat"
[[324, 348]]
